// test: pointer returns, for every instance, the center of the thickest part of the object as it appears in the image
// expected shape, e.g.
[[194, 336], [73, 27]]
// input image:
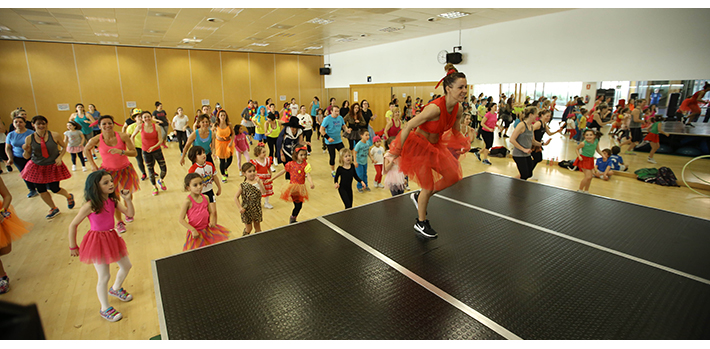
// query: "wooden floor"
[[42, 272]]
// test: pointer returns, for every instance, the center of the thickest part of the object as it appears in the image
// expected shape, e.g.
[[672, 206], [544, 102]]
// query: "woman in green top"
[[585, 159], [273, 129], [85, 120], [201, 137]]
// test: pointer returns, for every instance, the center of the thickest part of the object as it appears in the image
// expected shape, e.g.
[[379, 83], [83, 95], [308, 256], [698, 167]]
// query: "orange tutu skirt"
[[295, 192], [208, 236], [434, 166], [13, 228], [125, 178], [102, 247]]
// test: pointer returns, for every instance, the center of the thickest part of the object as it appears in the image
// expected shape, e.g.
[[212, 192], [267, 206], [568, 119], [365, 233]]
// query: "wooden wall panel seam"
[[76, 69], [221, 76], [157, 77], [120, 84], [276, 88], [192, 85], [249, 72], [32, 87]]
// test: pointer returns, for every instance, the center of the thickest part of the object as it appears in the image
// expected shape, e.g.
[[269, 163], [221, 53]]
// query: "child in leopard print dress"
[[251, 191]]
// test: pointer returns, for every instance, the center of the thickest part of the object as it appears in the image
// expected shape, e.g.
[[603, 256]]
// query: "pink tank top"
[[149, 140], [113, 162], [103, 221], [198, 216]]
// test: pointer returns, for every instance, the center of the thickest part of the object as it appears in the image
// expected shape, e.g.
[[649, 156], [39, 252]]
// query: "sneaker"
[[240, 173], [425, 229], [486, 162], [572, 168], [129, 219], [332, 174], [120, 294], [9, 168], [94, 158], [161, 183], [478, 156], [70, 201], [111, 314], [506, 136], [689, 125], [32, 194], [4, 284], [268, 205], [291, 219], [651, 160], [324, 151], [73, 167], [227, 173], [143, 177], [273, 169], [367, 189], [359, 190], [224, 179], [83, 168], [415, 199], [499, 135], [155, 191], [121, 227], [53, 213]]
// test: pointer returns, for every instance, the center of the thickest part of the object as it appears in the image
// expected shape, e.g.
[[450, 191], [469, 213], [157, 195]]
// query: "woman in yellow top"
[[260, 123], [273, 129], [223, 148]]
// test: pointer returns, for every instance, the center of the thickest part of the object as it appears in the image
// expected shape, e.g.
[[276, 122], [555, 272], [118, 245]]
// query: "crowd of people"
[[423, 142]]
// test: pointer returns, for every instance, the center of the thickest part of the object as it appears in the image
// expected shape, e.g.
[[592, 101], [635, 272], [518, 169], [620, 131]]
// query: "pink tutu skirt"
[[208, 236], [102, 247], [125, 178], [75, 150], [43, 174]]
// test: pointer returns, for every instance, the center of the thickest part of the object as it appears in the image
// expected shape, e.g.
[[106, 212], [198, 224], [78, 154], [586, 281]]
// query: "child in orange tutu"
[[202, 229], [296, 190], [102, 245], [11, 229], [427, 144]]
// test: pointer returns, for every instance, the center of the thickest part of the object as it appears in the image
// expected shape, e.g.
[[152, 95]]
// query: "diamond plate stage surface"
[[513, 259], [678, 128]]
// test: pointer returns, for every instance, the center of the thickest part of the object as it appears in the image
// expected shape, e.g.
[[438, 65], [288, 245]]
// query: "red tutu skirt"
[[13, 228], [294, 192], [434, 166], [102, 247], [125, 178], [43, 174], [587, 163], [652, 137], [208, 236]]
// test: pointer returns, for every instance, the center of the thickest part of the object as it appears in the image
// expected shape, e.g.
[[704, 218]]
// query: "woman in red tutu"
[[46, 169], [115, 148], [427, 153], [101, 245], [296, 190], [11, 229]]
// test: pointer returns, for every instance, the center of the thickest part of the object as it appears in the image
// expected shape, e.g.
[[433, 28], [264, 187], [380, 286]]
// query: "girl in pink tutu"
[[202, 229], [115, 148], [75, 141], [46, 169], [241, 144], [102, 245]]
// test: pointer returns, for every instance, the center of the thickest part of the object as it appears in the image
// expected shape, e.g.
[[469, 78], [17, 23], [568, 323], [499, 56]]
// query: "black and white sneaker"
[[425, 229], [415, 199]]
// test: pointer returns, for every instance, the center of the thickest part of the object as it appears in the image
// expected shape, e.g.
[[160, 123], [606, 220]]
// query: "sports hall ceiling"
[[315, 31]]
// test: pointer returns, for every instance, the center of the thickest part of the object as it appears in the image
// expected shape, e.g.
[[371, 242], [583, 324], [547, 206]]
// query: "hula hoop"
[[696, 176]]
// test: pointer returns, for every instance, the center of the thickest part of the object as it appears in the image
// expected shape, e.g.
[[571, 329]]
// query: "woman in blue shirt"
[[330, 130], [13, 148]]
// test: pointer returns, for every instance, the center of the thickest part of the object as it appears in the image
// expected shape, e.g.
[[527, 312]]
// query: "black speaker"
[[325, 71], [454, 58], [673, 104]]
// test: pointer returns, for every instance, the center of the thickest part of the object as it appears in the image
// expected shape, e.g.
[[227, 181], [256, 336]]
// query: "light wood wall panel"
[[206, 79], [340, 94], [174, 81], [15, 87], [55, 81], [263, 83], [311, 82], [138, 76], [378, 96], [235, 68], [287, 78], [99, 80]]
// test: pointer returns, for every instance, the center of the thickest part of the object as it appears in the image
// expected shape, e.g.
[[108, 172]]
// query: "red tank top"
[[446, 121], [149, 140], [394, 130]]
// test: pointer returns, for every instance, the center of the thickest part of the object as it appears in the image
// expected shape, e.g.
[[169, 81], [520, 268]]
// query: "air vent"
[[403, 20], [390, 29], [113, 35], [191, 41], [454, 14]]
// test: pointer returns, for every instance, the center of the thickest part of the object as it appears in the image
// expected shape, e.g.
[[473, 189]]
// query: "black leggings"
[[20, 163], [43, 187], [139, 160], [346, 194], [536, 158], [524, 164], [307, 134], [224, 165], [150, 159], [272, 148], [81, 158], [352, 143], [332, 149], [297, 206], [182, 139]]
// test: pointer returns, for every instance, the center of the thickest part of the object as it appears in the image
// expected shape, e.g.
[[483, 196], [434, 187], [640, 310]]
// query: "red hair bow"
[[451, 71], [301, 148], [260, 144]]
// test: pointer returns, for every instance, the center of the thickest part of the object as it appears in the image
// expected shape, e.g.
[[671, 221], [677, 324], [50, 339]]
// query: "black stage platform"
[[513, 260], [678, 128]]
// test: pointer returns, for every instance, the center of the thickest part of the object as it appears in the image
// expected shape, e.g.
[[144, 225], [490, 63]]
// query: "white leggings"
[[239, 158], [104, 272]]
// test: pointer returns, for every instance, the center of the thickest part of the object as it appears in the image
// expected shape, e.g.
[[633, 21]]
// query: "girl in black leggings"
[[346, 173], [272, 127]]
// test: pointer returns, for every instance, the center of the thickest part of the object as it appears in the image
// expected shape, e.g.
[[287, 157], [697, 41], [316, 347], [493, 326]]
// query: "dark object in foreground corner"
[[19, 322]]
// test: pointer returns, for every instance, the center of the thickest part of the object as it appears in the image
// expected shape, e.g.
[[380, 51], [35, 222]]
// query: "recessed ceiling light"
[[191, 41], [101, 19], [262, 44], [113, 35], [13, 37], [296, 52], [215, 20], [320, 21], [4, 28], [454, 14], [313, 48]]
